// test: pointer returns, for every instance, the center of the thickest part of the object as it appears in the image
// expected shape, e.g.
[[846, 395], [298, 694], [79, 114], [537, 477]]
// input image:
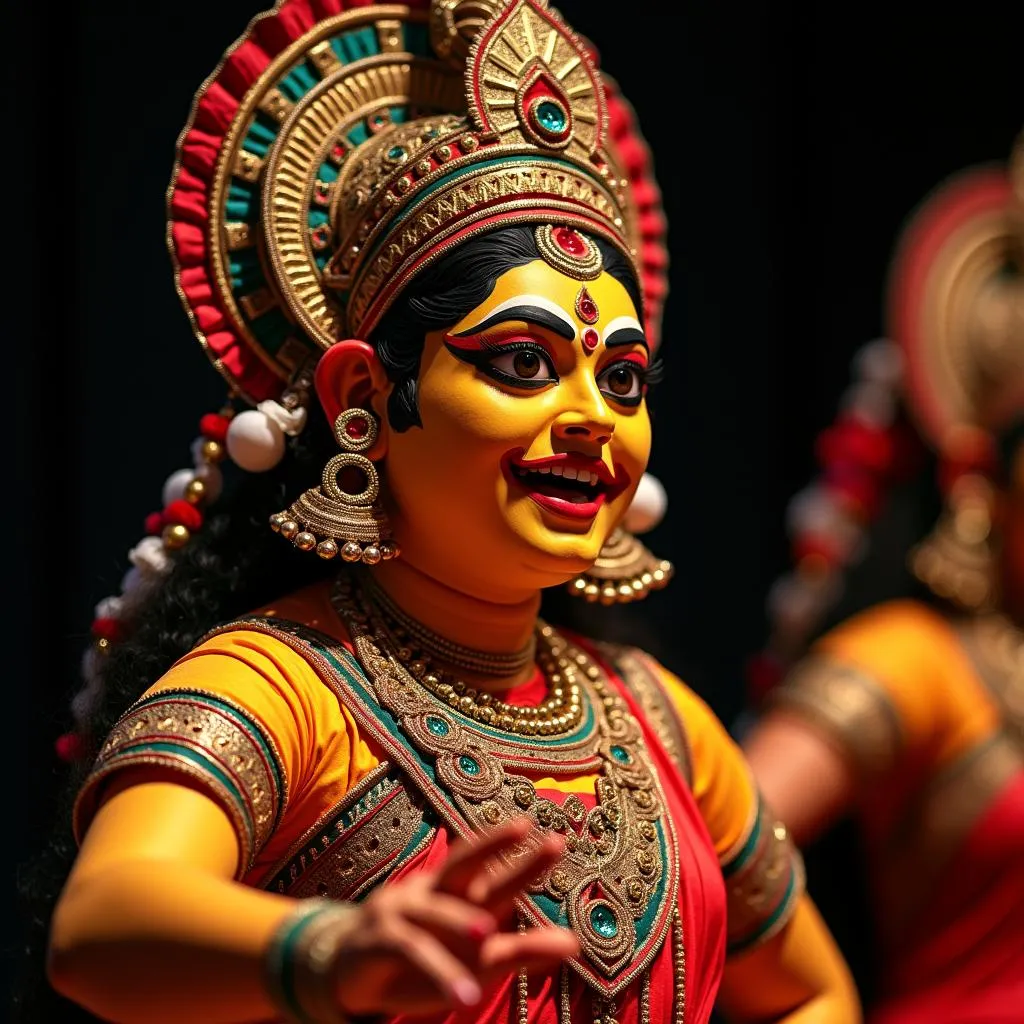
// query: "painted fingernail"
[[466, 991]]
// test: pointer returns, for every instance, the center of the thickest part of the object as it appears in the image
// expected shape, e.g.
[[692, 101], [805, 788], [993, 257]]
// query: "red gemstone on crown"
[[570, 242], [357, 428], [590, 339]]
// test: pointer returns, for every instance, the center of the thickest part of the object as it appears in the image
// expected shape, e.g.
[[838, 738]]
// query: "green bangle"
[[299, 956]]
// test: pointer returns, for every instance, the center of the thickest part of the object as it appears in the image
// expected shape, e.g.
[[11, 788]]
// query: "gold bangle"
[[300, 957]]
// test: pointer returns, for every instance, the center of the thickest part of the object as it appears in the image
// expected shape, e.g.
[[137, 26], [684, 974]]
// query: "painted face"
[[535, 434]]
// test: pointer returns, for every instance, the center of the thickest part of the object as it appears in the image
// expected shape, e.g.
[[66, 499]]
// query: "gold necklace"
[[559, 713], [438, 648]]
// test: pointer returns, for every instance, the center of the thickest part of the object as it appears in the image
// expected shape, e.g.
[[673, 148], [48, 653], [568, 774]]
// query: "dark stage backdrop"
[[790, 140]]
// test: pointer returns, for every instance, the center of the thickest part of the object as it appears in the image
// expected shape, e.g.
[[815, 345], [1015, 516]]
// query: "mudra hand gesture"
[[439, 938]]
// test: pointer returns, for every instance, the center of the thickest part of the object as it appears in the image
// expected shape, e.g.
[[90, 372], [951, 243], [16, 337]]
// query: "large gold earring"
[[336, 521], [624, 571], [956, 561]]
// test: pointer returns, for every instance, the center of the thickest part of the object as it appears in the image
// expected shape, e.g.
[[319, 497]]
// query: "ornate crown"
[[327, 162], [956, 304]]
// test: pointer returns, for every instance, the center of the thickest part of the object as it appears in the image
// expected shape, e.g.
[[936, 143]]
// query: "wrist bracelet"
[[299, 960]]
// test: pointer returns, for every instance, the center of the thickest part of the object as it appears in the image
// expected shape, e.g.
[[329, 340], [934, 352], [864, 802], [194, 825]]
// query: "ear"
[[350, 376]]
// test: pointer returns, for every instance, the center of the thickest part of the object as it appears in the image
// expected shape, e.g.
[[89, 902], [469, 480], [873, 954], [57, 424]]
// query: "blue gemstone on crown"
[[550, 117], [468, 765]]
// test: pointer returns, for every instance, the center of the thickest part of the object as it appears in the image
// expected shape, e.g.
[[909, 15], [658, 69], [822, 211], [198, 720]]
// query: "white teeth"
[[557, 471], [569, 473], [593, 478], [544, 469]]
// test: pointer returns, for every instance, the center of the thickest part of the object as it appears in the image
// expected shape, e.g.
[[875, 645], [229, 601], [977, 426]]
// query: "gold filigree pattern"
[[850, 706], [614, 868], [764, 883], [659, 711], [377, 827], [212, 741]]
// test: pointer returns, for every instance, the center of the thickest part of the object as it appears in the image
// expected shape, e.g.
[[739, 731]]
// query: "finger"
[[452, 916], [497, 890], [452, 978], [535, 949], [468, 858]]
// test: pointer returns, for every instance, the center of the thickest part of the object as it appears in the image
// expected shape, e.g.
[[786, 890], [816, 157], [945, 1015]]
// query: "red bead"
[[185, 514], [569, 242], [357, 427], [107, 629], [70, 747], [214, 427], [155, 523], [590, 339]]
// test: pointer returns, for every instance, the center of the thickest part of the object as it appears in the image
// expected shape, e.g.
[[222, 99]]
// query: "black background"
[[791, 140]]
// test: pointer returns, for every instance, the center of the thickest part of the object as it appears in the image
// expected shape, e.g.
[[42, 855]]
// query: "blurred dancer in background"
[[909, 717]]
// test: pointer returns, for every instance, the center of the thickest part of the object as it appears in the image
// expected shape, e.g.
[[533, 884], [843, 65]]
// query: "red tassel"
[[214, 427], [182, 512], [107, 629], [70, 747], [155, 523]]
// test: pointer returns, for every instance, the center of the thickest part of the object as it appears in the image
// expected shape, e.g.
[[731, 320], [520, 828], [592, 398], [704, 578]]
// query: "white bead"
[[648, 506], [196, 448], [85, 703], [109, 608], [880, 361], [150, 557], [872, 403], [255, 442], [175, 484], [813, 510], [91, 665], [135, 590], [291, 421]]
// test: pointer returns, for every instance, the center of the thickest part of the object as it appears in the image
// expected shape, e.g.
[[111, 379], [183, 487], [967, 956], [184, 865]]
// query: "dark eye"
[[623, 382], [522, 365]]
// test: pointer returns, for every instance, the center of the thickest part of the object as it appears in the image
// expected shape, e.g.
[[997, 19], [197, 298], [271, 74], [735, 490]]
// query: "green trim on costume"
[[747, 850], [739, 945]]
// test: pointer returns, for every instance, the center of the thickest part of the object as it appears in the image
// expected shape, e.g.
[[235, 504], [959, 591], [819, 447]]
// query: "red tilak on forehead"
[[586, 307]]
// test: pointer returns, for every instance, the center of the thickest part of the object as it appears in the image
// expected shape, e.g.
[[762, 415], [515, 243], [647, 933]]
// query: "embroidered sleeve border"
[[764, 879], [213, 742], [851, 708]]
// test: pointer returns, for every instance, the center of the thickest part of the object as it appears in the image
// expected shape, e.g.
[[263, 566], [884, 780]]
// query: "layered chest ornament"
[[616, 887]]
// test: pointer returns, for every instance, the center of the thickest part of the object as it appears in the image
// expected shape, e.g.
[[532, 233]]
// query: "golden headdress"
[[956, 306], [336, 152]]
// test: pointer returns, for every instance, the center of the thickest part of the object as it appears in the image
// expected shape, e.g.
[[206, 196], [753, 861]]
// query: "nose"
[[590, 422]]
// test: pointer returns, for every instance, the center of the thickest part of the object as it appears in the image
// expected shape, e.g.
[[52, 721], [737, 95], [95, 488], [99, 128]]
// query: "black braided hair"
[[236, 564]]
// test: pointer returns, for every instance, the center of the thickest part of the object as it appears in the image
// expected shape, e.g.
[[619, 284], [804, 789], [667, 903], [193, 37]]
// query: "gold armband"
[[852, 708], [764, 880], [211, 741]]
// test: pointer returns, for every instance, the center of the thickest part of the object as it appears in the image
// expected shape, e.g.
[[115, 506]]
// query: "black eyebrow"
[[626, 336], [530, 314]]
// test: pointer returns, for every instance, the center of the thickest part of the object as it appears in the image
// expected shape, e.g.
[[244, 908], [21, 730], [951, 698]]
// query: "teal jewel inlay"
[[602, 920], [621, 754], [550, 117], [438, 726], [396, 153], [468, 765]]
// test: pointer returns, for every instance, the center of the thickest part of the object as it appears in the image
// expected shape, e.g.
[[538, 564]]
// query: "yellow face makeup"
[[535, 434]]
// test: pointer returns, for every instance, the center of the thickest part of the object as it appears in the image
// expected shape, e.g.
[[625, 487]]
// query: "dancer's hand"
[[437, 939]]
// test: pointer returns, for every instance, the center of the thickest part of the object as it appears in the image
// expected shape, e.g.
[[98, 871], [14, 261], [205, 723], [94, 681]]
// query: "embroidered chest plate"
[[616, 887]]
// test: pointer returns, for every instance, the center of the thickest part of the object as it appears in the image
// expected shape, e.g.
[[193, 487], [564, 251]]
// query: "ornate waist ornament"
[[326, 164]]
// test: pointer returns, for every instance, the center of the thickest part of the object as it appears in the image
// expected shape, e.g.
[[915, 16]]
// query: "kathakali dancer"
[[346, 770], [909, 717]]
